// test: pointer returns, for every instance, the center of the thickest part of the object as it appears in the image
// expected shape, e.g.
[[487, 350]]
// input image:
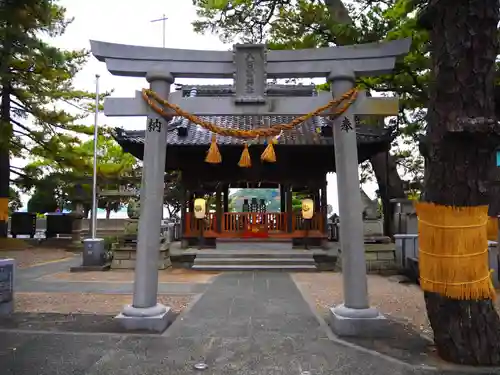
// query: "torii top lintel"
[[250, 65], [136, 61]]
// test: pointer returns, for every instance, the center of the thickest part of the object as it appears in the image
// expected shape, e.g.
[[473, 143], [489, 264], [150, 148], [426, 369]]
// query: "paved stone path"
[[28, 280], [245, 323]]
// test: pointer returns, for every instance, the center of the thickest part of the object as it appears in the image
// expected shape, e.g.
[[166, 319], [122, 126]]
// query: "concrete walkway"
[[245, 323], [31, 280]]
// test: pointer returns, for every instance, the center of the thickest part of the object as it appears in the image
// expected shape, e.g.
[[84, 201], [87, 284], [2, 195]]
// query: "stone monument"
[[132, 223], [373, 226], [7, 267], [125, 250], [251, 65]]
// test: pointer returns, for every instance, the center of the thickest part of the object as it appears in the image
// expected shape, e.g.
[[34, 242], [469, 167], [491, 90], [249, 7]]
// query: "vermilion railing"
[[245, 221], [193, 225], [299, 223], [252, 222]]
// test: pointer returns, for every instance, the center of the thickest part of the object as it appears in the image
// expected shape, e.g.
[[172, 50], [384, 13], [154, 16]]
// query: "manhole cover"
[[200, 366]]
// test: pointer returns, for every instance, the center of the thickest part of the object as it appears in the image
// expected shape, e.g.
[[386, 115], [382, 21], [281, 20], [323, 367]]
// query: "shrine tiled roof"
[[228, 90], [304, 134]]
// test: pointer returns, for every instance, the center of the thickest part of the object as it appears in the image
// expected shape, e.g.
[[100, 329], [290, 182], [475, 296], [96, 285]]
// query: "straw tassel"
[[492, 228], [245, 160], [269, 155], [213, 154], [453, 251]]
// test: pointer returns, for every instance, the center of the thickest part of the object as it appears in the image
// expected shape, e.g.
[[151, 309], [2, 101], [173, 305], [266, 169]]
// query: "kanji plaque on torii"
[[250, 66]]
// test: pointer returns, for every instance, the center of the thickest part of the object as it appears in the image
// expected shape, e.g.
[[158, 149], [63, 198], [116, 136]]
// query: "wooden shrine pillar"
[[184, 202], [324, 206], [226, 198], [316, 194], [289, 207], [191, 197], [218, 208], [282, 198]]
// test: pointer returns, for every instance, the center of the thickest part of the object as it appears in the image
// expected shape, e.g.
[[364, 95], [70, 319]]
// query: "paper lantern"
[[307, 208], [199, 208]]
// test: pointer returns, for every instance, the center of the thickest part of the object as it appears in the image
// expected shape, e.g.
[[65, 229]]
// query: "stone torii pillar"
[[354, 317], [145, 312]]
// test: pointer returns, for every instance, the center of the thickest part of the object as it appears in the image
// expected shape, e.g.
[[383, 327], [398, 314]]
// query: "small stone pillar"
[[145, 312], [406, 216], [7, 281], [77, 227], [354, 317]]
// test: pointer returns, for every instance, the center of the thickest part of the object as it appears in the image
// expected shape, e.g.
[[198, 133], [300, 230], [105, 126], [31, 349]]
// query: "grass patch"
[[13, 244]]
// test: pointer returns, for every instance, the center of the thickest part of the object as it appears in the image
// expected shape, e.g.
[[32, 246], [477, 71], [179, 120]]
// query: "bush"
[[109, 241]]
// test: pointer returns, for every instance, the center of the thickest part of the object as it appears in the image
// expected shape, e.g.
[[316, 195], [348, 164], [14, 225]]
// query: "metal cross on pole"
[[162, 19]]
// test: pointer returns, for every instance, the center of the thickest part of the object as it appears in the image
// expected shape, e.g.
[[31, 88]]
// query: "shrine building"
[[303, 157]]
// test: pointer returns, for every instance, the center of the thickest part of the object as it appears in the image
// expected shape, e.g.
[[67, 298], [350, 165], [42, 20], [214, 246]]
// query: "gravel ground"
[[31, 256], [86, 303], [404, 302], [170, 275]]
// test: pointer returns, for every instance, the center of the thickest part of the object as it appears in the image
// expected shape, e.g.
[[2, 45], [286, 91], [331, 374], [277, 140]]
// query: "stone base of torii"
[[339, 64]]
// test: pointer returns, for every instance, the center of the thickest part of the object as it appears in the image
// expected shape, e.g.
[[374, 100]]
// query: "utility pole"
[[162, 19], [94, 174]]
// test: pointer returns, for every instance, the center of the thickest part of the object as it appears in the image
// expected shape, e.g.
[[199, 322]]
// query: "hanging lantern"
[[199, 208], [307, 208]]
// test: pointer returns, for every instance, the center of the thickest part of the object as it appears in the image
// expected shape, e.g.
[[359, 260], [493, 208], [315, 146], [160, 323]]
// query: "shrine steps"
[[244, 260], [221, 240]]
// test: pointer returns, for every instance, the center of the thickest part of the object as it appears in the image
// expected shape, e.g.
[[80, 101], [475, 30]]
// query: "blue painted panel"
[[498, 158]]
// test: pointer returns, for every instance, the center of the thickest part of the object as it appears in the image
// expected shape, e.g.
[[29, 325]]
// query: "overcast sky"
[[128, 22]]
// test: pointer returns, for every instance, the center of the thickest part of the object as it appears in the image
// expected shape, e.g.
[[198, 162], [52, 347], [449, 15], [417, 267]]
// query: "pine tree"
[[460, 141], [35, 79], [308, 24], [115, 168]]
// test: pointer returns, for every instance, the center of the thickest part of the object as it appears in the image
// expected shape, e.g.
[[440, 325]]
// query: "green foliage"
[[114, 168], [297, 201], [173, 194], [43, 200], [41, 112], [40, 76], [273, 203], [14, 201], [237, 198], [284, 24], [109, 241]]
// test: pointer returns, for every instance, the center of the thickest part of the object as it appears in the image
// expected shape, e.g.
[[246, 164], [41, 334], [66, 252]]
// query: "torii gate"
[[250, 65]]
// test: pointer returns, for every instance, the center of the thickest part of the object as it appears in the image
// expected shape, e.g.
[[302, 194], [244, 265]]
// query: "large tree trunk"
[[5, 136], [494, 206], [460, 142]]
